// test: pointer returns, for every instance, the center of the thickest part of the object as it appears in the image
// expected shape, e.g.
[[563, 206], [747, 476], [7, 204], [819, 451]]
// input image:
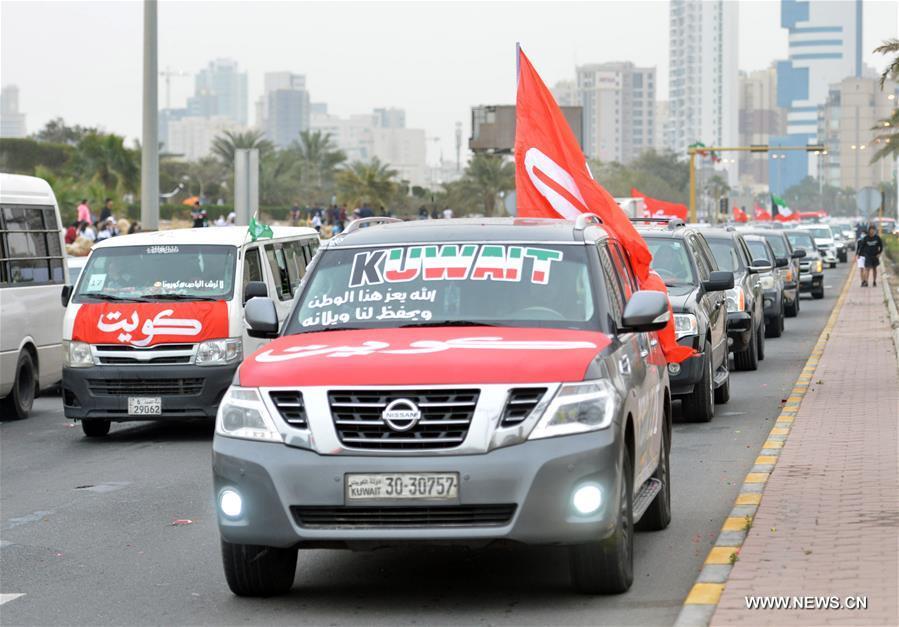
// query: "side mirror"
[[66, 295], [254, 289], [799, 253], [646, 311], [719, 280], [782, 262], [261, 318], [760, 265]]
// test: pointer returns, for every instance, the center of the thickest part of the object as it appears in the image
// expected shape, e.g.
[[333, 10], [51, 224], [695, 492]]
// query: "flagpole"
[[517, 62]]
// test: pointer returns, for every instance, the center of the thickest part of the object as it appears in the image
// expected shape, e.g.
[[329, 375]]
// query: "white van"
[[32, 275], [154, 327]]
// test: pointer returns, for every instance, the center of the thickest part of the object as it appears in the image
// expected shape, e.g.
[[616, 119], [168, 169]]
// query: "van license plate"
[[406, 485], [144, 405]]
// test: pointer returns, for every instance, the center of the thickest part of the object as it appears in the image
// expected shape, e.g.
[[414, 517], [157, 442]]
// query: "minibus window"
[[279, 271], [252, 266]]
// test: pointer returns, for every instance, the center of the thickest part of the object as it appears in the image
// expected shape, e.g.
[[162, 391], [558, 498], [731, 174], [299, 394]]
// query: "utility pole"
[[149, 162], [458, 146]]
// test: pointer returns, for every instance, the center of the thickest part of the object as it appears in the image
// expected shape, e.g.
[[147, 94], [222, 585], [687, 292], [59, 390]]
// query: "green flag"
[[780, 207], [258, 229]]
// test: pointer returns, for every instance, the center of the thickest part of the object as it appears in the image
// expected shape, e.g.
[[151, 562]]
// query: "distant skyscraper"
[[760, 119], [220, 90], [390, 118], [192, 136], [618, 101], [702, 89], [286, 107], [12, 121], [825, 47]]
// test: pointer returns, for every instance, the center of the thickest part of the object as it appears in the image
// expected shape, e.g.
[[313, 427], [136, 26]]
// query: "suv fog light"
[[587, 498], [230, 503], [673, 368]]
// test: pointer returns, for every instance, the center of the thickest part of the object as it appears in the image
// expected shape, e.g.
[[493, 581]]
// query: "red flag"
[[740, 215], [761, 215], [661, 208], [552, 180]]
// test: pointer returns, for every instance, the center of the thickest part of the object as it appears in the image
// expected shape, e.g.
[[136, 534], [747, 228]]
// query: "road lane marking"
[[10, 596]]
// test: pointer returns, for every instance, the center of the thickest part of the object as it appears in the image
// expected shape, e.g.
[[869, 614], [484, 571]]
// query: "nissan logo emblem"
[[401, 414]]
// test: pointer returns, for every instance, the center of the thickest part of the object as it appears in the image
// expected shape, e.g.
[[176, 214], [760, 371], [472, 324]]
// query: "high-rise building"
[[825, 38], [702, 89], [192, 136], [760, 119], [847, 124], [220, 90], [618, 101], [390, 117], [12, 121], [565, 93], [285, 107], [661, 123]]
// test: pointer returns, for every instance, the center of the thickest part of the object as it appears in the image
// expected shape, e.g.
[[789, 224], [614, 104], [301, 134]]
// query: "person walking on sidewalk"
[[867, 252]]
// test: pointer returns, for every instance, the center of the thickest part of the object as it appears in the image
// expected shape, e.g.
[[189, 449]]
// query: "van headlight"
[[685, 324], [77, 354], [577, 408], [242, 414], [220, 352], [735, 299]]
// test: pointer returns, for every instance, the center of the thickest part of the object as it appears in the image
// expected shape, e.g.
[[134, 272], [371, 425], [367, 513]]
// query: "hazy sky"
[[82, 60]]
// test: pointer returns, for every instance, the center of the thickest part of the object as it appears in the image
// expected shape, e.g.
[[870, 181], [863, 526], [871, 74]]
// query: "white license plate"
[[144, 406], [403, 485]]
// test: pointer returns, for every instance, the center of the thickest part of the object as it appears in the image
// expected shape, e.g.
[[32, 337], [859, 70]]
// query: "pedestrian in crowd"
[[365, 211], [106, 229], [333, 215], [199, 216], [867, 254], [295, 214], [317, 221], [220, 221], [435, 213], [341, 217], [72, 232], [135, 228], [84, 211], [422, 213], [447, 213], [106, 211], [88, 232]]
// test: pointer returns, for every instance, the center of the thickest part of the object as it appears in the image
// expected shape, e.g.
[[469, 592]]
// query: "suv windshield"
[[449, 284], [725, 255], [801, 240], [670, 260], [169, 272], [820, 232]]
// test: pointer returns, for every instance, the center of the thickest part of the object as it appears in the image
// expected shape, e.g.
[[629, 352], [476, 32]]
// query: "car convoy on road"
[[455, 381]]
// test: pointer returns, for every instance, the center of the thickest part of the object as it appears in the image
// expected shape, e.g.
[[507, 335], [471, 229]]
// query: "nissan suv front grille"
[[520, 404], [289, 404], [442, 422], [407, 516]]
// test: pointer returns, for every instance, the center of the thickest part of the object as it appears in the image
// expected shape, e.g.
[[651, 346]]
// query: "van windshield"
[[158, 272], [448, 285]]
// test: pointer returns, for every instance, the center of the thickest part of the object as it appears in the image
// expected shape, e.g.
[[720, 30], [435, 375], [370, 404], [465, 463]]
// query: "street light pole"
[[149, 161]]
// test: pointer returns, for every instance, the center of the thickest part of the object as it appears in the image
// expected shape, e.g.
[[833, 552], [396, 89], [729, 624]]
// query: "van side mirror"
[[760, 265], [261, 318], [782, 262], [719, 280], [65, 295], [254, 289], [799, 253], [646, 310]]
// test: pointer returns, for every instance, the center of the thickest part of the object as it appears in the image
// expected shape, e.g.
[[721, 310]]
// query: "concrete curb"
[[703, 598], [894, 313]]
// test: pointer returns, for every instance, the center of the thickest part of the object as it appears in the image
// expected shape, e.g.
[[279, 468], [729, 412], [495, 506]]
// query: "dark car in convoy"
[[772, 282], [696, 289], [780, 243], [450, 381], [745, 313], [811, 267]]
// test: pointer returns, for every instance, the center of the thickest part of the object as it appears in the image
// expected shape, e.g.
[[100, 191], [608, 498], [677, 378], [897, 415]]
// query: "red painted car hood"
[[424, 356]]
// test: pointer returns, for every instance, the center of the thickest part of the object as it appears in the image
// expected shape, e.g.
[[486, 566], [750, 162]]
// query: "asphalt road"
[[86, 533]]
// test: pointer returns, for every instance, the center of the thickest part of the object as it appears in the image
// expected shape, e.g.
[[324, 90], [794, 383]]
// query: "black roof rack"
[[673, 223]]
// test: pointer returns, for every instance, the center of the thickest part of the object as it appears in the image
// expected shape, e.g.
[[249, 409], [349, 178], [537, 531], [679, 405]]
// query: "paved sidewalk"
[[828, 523]]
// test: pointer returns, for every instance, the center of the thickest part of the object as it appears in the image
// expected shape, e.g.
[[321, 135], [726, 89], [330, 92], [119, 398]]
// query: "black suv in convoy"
[[791, 272], [774, 301], [745, 313], [696, 288], [811, 267], [467, 381]]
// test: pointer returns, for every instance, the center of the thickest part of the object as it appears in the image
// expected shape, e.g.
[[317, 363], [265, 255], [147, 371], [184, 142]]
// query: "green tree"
[[361, 182], [319, 158], [486, 176], [225, 145], [890, 46], [104, 157], [661, 175], [56, 131]]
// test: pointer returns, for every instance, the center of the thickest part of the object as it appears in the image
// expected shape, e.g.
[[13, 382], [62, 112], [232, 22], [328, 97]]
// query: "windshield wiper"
[[118, 299], [179, 297], [447, 323]]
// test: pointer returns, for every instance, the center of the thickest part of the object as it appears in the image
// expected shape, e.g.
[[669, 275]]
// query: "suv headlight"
[[767, 282], [685, 324], [77, 354], [735, 299], [819, 266], [219, 352], [242, 414], [577, 408]]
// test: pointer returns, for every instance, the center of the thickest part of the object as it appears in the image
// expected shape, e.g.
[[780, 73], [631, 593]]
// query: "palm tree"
[[104, 158], [487, 176], [890, 46], [888, 136], [319, 155], [228, 142], [362, 182]]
